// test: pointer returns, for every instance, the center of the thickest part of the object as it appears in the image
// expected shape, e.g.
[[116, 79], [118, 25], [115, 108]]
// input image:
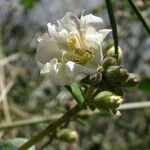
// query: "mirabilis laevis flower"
[[71, 48]]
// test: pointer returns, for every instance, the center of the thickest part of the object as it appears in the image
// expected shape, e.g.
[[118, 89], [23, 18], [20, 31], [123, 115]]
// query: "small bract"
[[71, 48]]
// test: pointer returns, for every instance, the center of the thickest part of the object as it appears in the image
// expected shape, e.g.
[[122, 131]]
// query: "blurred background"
[[27, 96]]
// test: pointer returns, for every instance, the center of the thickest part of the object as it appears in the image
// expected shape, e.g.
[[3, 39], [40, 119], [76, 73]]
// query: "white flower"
[[71, 48]]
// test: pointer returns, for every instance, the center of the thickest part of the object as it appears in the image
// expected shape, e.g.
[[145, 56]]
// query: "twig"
[[51, 138], [8, 59], [139, 15], [52, 127], [4, 97], [135, 105], [15, 109], [127, 106], [6, 90], [30, 121], [113, 25]]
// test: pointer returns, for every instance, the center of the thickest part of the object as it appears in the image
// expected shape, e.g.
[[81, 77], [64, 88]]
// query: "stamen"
[[72, 41], [80, 51], [86, 57]]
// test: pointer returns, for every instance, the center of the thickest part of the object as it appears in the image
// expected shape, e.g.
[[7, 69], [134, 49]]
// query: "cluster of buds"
[[111, 81]]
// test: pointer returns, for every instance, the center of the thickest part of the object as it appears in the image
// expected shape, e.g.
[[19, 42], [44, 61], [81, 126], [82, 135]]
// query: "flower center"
[[77, 55]]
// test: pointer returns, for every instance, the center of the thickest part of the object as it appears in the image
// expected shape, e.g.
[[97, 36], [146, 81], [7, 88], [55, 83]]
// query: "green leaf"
[[14, 144], [145, 85], [76, 92]]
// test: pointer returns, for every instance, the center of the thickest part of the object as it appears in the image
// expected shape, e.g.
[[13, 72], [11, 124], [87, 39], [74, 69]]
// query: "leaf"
[[145, 85], [14, 144], [76, 92]]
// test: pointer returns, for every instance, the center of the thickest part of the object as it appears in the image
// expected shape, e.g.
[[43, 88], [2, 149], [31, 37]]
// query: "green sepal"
[[76, 92]]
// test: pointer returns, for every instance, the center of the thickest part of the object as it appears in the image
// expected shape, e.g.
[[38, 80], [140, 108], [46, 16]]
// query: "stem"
[[48, 142], [139, 15], [113, 25], [126, 106], [54, 125], [89, 93]]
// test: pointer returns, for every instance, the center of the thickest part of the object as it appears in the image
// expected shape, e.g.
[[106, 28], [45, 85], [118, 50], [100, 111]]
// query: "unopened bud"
[[68, 135], [107, 100], [133, 80], [108, 61], [116, 74], [111, 52]]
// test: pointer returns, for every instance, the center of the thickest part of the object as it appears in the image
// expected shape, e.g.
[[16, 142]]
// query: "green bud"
[[107, 100], [68, 135], [111, 52], [116, 74], [108, 61], [133, 80]]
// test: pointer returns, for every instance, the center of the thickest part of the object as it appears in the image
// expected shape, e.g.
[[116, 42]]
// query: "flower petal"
[[93, 21], [104, 32], [73, 69], [56, 71], [97, 36], [52, 30], [69, 22], [47, 49], [96, 50]]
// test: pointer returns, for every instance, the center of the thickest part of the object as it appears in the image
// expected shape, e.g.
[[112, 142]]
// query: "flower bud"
[[111, 52], [108, 61], [107, 100], [68, 135], [133, 80], [116, 74]]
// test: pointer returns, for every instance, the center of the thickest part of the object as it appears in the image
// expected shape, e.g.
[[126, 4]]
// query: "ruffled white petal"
[[73, 69], [99, 36], [93, 21], [47, 49], [69, 22], [57, 73], [55, 33]]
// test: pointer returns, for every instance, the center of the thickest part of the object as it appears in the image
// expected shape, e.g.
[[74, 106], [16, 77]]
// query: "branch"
[[113, 25], [52, 127], [59, 122], [139, 15], [9, 59], [126, 106]]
